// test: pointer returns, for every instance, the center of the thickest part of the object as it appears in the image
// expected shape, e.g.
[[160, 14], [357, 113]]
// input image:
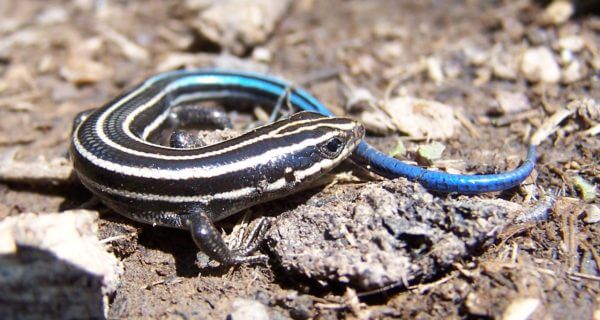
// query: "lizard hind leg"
[[184, 140], [186, 116], [197, 115], [210, 242]]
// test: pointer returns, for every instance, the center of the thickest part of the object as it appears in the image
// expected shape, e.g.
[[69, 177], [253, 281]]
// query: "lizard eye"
[[332, 147]]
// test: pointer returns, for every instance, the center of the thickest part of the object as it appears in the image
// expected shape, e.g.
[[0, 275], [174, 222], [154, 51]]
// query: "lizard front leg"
[[209, 240]]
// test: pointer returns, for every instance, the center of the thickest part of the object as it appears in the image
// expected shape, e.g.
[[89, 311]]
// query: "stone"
[[52, 265], [423, 118], [538, 65], [512, 102], [246, 309], [558, 12]]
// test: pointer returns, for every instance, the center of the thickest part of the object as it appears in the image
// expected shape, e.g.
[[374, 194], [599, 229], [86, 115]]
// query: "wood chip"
[[584, 107], [81, 71], [176, 60], [550, 125], [58, 171], [129, 48]]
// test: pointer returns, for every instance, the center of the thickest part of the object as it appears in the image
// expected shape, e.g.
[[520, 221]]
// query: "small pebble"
[[575, 165], [363, 64], [53, 15], [88, 48], [46, 64], [261, 54], [566, 56], [520, 309], [512, 102], [558, 12], [360, 99], [475, 56], [475, 305], [453, 69], [572, 72], [482, 76], [592, 214], [504, 69], [538, 36], [237, 25], [376, 121], [513, 27], [247, 309], [390, 51], [573, 43], [538, 65], [434, 70]]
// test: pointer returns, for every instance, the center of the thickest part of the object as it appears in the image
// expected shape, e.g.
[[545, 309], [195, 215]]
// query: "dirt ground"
[[60, 58]]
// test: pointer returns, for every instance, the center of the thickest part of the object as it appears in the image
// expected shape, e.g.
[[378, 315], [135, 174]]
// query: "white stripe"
[[202, 155], [155, 123], [150, 103], [163, 116], [198, 172], [126, 125], [205, 199]]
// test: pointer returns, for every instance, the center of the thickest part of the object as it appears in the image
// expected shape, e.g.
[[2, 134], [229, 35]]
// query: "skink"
[[191, 188]]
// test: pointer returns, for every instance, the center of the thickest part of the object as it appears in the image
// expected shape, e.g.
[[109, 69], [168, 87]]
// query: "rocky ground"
[[459, 86]]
